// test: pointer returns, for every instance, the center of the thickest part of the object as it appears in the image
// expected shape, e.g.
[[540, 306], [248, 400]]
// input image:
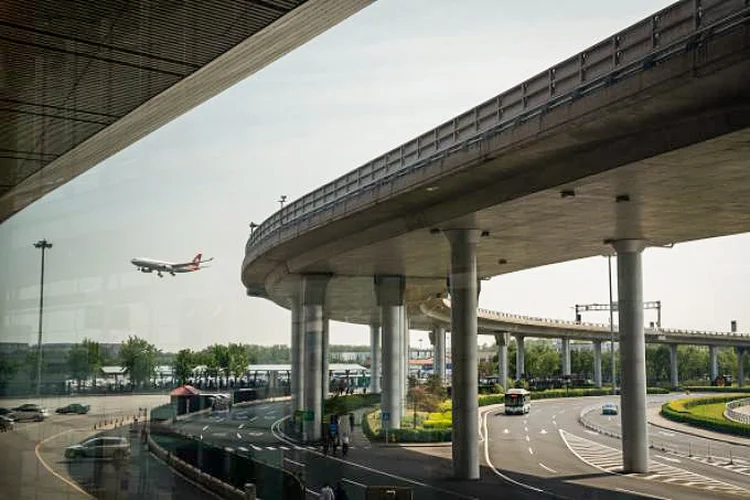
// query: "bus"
[[517, 401]]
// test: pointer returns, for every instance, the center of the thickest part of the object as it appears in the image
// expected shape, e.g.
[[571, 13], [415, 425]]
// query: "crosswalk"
[[736, 465], [255, 447], [609, 460]]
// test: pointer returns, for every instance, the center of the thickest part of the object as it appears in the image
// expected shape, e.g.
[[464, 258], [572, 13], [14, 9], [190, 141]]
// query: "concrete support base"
[[674, 379], [375, 359], [520, 355], [502, 359], [713, 364], [565, 356], [313, 298], [389, 291], [598, 363]]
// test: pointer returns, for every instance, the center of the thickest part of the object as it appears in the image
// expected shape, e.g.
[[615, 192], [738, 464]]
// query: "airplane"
[[145, 265]]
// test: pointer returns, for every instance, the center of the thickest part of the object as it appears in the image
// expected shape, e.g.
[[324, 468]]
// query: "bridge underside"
[[83, 80]]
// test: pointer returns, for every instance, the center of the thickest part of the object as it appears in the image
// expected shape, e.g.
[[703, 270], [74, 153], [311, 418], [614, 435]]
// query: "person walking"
[[344, 444], [326, 492]]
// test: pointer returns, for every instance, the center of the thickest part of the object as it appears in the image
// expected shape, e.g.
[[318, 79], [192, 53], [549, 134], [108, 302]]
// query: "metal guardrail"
[[683, 26], [737, 416]]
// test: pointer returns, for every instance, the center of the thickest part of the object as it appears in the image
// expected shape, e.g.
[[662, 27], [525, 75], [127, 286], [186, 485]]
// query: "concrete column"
[[374, 359], [464, 298], [520, 355], [713, 363], [405, 360], [674, 379], [439, 357], [313, 297], [389, 291], [632, 355], [326, 356], [502, 359], [740, 367], [566, 356], [598, 363], [297, 378]]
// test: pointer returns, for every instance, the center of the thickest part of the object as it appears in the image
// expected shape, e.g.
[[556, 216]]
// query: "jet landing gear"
[[160, 274]]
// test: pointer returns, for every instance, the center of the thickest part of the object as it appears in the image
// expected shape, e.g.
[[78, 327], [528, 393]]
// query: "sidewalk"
[[653, 417]]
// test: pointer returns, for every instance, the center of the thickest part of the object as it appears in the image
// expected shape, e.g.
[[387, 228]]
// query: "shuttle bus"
[[517, 401]]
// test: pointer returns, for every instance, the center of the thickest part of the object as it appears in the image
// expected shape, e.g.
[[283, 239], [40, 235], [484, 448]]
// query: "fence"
[[737, 416]]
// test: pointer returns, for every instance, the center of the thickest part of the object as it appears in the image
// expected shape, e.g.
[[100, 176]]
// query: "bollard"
[[249, 491], [709, 451], [690, 449], [731, 462]]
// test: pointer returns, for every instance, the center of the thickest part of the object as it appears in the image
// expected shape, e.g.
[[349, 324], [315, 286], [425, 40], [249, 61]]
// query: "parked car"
[[74, 408], [609, 409], [116, 448], [30, 411], [6, 423], [6, 412]]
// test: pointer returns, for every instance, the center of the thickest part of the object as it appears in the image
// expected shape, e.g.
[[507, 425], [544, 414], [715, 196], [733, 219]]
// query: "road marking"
[[669, 459], [241, 426], [531, 451], [239, 436], [256, 434], [555, 422], [281, 437], [665, 433], [506, 431], [525, 422], [204, 427], [285, 448], [228, 449], [253, 418], [270, 448], [242, 448], [256, 448], [51, 470], [543, 431], [553, 471], [528, 439], [594, 433], [219, 434], [647, 495], [525, 429], [608, 459]]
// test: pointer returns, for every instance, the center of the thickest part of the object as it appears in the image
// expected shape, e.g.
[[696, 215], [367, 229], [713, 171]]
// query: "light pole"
[[43, 245], [282, 200], [611, 327]]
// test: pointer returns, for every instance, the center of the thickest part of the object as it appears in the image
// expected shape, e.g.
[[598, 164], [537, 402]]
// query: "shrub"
[[344, 404], [711, 388], [679, 410]]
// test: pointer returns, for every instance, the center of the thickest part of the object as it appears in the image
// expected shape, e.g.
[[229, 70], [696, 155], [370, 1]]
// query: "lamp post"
[[42, 245], [282, 200], [611, 327]]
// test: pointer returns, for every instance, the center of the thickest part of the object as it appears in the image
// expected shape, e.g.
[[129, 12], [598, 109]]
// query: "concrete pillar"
[[598, 363], [297, 378], [502, 359], [389, 291], [713, 363], [326, 356], [439, 357], [405, 360], [565, 356], [374, 359], [464, 298], [313, 297], [740, 367], [632, 355], [674, 379], [520, 355]]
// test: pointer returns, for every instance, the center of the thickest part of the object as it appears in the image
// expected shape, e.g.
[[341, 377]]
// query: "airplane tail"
[[197, 258]]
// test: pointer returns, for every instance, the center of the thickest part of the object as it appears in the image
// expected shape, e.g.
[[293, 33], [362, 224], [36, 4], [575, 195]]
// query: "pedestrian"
[[340, 492], [351, 420], [326, 492], [344, 444]]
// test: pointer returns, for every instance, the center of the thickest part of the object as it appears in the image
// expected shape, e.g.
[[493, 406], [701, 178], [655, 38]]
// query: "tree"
[[93, 358], [183, 365], [238, 360], [582, 362], [8, 369], [221, 356], [139, 358], [78, 365], [487, 369]]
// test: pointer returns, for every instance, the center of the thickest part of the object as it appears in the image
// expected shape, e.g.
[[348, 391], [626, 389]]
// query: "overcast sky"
[[393, 71]]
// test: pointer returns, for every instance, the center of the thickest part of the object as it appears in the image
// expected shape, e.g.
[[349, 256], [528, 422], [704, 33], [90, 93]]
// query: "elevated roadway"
[[640, 140], [86, 80]]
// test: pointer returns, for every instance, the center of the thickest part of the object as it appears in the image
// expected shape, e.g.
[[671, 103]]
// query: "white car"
[[30, 411], [100, 447]]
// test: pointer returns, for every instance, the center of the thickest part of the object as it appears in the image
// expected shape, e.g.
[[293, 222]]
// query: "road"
[[545, 453], [33, 464]]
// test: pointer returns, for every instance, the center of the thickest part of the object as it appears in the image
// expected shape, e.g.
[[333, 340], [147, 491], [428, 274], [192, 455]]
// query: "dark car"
[[4, 412], [30, 411], [74, 408], [6, 423]]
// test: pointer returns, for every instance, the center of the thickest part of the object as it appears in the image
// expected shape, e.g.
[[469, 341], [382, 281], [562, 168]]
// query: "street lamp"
[[253, 226], [42, 245], [282, 200]]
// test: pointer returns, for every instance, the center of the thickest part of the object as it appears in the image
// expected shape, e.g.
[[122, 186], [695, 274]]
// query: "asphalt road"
[[32, 464], [545, 453]]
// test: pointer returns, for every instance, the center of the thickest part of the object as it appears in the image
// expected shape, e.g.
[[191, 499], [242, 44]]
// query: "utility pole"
[[611, 328], [43, 245]]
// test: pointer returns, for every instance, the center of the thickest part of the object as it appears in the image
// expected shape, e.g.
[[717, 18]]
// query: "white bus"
[[517, 401]]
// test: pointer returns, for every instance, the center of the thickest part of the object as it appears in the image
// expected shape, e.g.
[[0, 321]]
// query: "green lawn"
[[713, 411]]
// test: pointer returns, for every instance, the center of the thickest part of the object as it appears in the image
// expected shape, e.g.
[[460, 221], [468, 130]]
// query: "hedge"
[[679, 411], [712, 388], [345, 404]]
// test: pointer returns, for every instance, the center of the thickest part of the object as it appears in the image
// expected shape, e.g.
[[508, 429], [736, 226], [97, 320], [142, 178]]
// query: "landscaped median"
[[706, 413]]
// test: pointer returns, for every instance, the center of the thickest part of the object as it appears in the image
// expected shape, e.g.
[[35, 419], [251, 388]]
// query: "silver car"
[[100, 447], [30, 411]]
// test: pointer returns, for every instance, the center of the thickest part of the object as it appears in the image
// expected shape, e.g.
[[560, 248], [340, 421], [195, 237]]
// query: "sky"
[[387, 74]]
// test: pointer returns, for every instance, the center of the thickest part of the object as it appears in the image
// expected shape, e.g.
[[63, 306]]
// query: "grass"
[[712, 410]]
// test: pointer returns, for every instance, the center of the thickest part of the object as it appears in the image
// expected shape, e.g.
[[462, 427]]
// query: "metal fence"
[[737, 416], [684, 26]]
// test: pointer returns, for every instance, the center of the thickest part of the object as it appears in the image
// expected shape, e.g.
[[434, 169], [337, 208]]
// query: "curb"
[[689, 433]]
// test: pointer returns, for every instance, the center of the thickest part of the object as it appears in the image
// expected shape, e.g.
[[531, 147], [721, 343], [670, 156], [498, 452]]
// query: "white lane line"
[[270, 448], [219, 434], [528, 439], [525, 429], [525, 422], [204, 427], [494, 469], [531, 451], [241, 426], [286, 448], [239, 436], [669, 459], [553, 471], [543, 431], [253, 418], [561, 412], [665, 433], [554, 422], [242, 448], [594, 433], [281, 437], [506, 431], [51, 470], [256, 448]]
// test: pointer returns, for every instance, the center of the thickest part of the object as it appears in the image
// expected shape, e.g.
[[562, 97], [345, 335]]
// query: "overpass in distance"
[[640, 140]]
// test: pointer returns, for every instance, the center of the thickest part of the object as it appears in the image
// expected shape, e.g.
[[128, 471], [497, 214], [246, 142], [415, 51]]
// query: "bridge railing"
[[682, 26], [737, 416]]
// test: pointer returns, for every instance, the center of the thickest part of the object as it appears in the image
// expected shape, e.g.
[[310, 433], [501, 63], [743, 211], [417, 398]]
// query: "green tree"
[[582, 362], [139, 358], [78, 364], [8, 369], [238, 360], [487, 369], [542, 359], [221, 356], [183, 365], [436, 387], [93, 358]]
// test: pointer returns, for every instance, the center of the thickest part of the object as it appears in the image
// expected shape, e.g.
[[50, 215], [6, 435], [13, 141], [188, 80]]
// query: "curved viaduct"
[[641, 139]]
